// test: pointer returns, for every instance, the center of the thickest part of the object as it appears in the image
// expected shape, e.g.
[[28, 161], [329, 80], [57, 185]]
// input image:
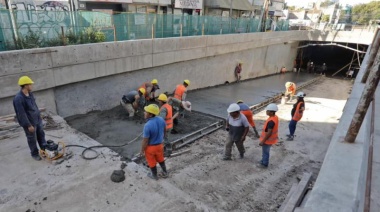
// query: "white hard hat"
[[301, 94], [272, 107], [233, 108]]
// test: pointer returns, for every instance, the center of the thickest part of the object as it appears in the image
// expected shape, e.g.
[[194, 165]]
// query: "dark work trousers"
[[37, 136]]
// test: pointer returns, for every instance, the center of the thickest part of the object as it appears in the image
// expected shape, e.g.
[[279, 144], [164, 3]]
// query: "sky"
[[305, 2]]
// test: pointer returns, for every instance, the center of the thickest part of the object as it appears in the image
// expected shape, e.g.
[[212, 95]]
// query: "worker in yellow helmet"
[[29, 117], [166, 112], [180, 93], [132, 101], [150, 88], [153, 135]]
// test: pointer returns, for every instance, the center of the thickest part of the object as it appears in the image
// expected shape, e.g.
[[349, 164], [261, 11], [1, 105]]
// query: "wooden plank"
[[287, 198], [298, 194]]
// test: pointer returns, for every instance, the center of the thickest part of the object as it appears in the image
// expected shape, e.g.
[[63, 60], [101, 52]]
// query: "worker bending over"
[[180, 93], [269, 134], [290, 90], [247, 112], [29, 117], [297, 113], [150, 89], [237, 126], [166, 112], [153, 136], [132, 101]]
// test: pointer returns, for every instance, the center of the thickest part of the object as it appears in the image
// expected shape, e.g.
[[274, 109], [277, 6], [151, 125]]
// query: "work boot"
[[164, 175], [290, 138], [241, 155], [154, 177], [226, 158], [36, 157], [260, 165]]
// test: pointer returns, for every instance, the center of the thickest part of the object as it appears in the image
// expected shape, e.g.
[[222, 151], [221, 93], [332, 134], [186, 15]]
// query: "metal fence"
[[24, 29]]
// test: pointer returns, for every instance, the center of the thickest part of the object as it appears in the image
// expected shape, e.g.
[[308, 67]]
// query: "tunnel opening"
[[336, 56]]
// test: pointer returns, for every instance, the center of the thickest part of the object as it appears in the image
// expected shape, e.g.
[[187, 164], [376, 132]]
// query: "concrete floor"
[[216, 100]]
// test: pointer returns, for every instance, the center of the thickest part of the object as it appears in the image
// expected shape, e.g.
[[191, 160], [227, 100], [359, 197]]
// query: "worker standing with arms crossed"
[[237, 126], [297, 113], [166, 112], [153, 136], [269, 134], [29, 117], [247, 112]]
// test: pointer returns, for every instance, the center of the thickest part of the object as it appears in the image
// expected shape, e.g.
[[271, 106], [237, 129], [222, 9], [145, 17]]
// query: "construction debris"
[[296, 194], [118, 176]]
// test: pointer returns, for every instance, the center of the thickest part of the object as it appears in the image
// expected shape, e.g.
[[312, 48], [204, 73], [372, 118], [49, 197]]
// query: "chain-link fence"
[[22, 29]]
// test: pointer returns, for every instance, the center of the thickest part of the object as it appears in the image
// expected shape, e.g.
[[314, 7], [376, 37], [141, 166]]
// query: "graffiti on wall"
[[43, 18]]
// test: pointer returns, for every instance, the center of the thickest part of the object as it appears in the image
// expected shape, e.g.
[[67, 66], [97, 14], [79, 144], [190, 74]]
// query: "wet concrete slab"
[[113, 127], [216, 100]]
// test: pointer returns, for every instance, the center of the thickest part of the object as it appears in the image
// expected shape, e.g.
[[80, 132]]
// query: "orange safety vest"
[[273, 139], [292, 89], [169, 115], [298, 114], [179, 91]]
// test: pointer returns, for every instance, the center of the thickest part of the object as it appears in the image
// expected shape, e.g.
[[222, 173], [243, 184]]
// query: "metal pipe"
[[367, 197]]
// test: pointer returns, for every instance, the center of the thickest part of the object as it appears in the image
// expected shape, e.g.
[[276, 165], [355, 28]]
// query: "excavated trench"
[[113, 127]]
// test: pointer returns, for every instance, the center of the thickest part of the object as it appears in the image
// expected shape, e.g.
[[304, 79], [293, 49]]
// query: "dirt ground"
[[113, 127], [199, 180]]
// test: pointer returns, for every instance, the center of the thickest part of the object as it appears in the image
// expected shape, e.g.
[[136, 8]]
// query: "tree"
[[363, 13], [327, 3], [325, 18]]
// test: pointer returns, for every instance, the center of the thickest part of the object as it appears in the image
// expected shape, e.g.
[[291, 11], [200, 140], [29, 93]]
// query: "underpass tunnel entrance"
[[337, 56]]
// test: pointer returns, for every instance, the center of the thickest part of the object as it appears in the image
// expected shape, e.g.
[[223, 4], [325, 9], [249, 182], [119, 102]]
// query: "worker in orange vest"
[[297, 113], [269, 134], [247, 112], [150, 89], [180, 93], [290, 90], [166, 112]]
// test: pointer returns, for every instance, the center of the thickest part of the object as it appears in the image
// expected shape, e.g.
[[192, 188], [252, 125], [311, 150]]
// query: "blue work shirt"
[[154, 130], [26, 110], [243, 106]]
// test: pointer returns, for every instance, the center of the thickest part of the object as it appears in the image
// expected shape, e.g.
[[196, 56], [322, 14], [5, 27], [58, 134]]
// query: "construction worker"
[[180, 93], [245, 110], [166, 112], [150, 89], [269, 134], [133, 101], [324, 69], [237, 126], [238, 71], [153, 136], [297, 113], [290, 90], [29, 117], [283, 70]]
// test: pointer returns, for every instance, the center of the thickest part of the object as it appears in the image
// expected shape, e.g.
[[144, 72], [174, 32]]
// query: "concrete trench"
[[112, 127]]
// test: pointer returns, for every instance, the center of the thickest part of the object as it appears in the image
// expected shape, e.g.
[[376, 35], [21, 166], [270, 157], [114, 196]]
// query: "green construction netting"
[[33, 29]]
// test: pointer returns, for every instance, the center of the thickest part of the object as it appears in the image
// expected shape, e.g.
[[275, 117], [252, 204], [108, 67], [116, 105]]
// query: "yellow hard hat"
[[25, 80], [153, 109], [142, 90], [239, 101], [288, 84], [187, 82], [163, 97], [154, 81]]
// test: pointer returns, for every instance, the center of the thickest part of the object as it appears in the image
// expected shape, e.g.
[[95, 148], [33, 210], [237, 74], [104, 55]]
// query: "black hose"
[[91, 148]]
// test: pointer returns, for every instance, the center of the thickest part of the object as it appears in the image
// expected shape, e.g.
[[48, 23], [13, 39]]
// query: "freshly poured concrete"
[[216, 100]]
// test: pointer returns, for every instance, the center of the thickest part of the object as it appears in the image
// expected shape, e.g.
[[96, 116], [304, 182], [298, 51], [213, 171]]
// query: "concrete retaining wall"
[[62, 75]]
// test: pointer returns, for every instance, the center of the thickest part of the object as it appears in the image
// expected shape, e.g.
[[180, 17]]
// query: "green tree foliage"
[[363, 13], [327, 3], [325, 18]]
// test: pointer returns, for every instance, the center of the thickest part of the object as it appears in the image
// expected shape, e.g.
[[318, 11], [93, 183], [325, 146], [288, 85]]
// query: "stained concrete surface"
[[215, 100], [113, 127]]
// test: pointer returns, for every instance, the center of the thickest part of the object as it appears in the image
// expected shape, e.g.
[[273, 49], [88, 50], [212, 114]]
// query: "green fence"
[[34, 29]]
